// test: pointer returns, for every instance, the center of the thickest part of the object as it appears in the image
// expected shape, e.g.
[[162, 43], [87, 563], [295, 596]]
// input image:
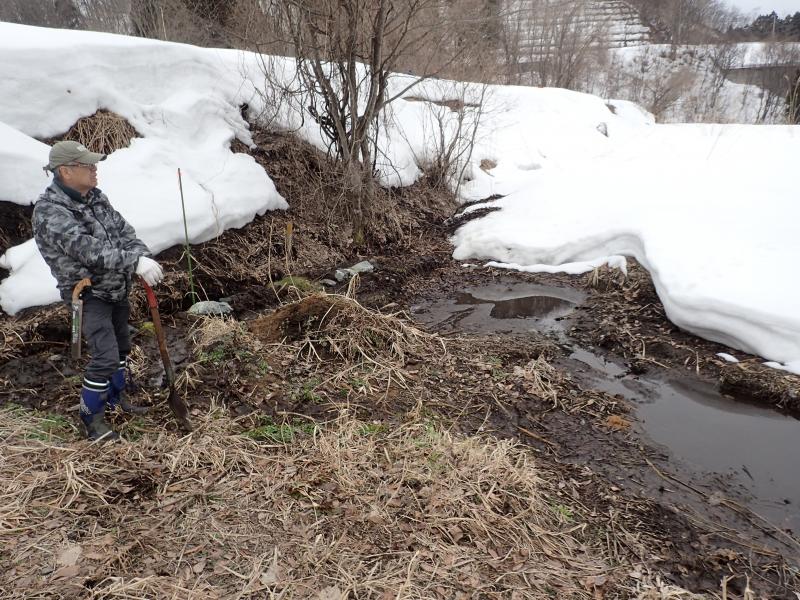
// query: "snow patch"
[[184, 101], [727, 357]]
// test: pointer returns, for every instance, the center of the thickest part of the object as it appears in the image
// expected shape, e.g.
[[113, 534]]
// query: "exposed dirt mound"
[[104, 131], [325, 327], [754, 381], [313, 187], [295, 320], [15, 224]]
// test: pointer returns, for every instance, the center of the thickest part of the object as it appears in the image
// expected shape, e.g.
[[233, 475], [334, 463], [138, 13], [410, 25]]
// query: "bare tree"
[[113, 16], [551, 42], [793, 100], [346, 52], [198, 22], [688, 21], [53, 13], [725, 57]]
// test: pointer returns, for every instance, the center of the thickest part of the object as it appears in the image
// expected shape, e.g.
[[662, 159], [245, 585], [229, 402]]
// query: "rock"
[[328, 282], [70, 555], [210, 307], [343, 274], [362, 267]]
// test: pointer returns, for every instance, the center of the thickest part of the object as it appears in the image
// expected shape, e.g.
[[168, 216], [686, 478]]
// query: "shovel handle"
[[162, 342], [79, 287]]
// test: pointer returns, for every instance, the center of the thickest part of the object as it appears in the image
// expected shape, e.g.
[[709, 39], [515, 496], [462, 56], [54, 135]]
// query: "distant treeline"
[[768, 27]]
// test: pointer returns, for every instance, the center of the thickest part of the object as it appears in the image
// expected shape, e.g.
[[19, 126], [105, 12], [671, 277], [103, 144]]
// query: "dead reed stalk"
[[104, 131]]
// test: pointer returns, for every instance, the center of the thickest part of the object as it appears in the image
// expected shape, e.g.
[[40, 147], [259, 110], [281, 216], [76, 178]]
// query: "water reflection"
[[520, 308]]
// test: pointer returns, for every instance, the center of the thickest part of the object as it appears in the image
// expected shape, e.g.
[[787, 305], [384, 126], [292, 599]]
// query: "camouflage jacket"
[[85, 237]]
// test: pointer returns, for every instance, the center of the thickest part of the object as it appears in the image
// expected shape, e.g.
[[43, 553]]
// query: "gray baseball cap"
[[63, 153]]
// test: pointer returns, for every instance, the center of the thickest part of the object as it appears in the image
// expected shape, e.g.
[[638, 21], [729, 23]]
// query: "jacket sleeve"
[[131, 243], [57, 228]]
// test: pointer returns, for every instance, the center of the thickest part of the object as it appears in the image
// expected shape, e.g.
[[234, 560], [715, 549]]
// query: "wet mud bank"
[[681, 438], [515, 367]]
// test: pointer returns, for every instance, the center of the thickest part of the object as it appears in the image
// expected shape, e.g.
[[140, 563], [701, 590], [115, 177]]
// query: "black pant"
[[105, 328]]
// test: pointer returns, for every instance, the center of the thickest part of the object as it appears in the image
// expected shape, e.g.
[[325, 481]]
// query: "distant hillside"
[[677, 58]]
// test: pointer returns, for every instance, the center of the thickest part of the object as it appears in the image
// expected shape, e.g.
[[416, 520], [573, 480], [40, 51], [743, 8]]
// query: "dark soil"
[[16, 224], [481, 384]]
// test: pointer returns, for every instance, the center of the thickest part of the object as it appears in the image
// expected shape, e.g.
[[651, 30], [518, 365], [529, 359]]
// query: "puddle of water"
[[500, 308], [757, 446]]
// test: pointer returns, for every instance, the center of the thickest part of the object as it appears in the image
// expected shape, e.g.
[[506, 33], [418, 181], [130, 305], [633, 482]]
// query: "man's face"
[[79, 177]]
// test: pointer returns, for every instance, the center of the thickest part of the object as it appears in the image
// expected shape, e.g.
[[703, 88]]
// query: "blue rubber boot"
[[94, 396], [116, 391]]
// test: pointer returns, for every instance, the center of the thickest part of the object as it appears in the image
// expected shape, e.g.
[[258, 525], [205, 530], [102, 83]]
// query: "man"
[[80, 235]]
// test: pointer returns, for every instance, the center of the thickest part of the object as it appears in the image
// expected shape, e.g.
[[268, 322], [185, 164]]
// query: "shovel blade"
[[174, 400], [179, 409]]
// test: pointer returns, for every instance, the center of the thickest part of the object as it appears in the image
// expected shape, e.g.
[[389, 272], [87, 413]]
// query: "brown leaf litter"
[[342, 512]]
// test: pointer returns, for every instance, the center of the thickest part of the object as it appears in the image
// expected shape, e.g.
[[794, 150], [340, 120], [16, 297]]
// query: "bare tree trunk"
[[345, 53]]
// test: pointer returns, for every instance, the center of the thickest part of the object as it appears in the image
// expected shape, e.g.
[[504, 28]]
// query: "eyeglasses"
[[90, 167]]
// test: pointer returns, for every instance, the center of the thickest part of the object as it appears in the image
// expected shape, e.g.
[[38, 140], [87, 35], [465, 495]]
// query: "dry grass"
[[104, 131], [751, 379], [23, 334], [606, 278], [383, 359], [343, 512], [322, 203], [207, 332], [326, 326]]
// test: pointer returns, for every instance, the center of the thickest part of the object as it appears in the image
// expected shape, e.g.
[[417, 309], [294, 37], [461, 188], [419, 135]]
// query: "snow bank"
[[183, 101], [689, 83], [21, 162], [708, 209]]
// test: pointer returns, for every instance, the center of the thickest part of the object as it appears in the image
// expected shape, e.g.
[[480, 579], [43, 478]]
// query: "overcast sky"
[[782, 7]]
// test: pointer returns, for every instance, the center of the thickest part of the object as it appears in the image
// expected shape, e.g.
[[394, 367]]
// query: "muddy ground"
[[524, 384]]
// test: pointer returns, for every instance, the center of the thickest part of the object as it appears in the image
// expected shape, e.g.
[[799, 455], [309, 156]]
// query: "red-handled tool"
[[174, 400]]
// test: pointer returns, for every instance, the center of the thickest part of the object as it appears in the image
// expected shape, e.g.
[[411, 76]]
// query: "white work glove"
[[149, 270]]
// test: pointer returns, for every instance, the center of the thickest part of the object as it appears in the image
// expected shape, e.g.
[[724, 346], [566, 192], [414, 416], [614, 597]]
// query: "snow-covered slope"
[[692, 83], [707, 209], [710, 210], [544, 26], [183, 101]]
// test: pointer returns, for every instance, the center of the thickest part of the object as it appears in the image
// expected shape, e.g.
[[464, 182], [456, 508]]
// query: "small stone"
[[70, 555], [328, 282], [363, 267], [343, 274], [209, 307]]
